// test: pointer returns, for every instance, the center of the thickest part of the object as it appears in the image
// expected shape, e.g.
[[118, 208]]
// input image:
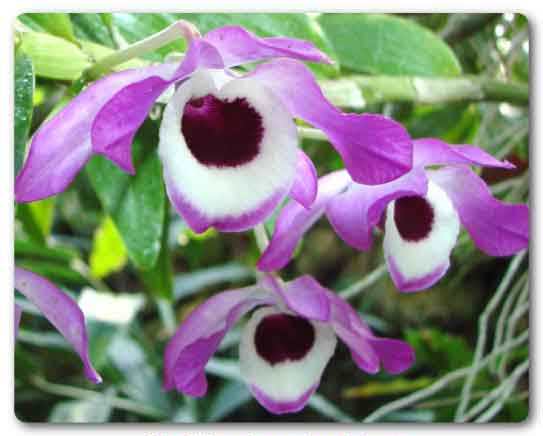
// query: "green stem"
[[356, 91], [179, 29]]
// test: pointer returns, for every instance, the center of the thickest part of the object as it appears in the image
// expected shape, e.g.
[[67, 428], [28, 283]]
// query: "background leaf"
[[386, 44], [23, 94], [56, 23], [108, 251], [135, 203]]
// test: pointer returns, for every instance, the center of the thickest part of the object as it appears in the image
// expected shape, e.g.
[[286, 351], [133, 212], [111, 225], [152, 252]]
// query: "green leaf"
[[57, 24], [159, 279], [23, 96], [135, 203], [24, 248], [53, 57], [387, 44], [108, 252], [37, 218], [91, 27]]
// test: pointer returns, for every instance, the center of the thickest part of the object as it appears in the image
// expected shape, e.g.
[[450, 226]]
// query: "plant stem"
[[179, 29], [364, 283], [356, 91], [261, 236]]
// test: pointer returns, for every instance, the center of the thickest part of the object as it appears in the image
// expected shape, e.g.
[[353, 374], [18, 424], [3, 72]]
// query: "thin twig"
[[444, 381], [511, 384], [364, 283], [482, 335]]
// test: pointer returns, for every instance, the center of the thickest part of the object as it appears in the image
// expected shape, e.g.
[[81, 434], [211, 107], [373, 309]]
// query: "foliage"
[[115, 233]]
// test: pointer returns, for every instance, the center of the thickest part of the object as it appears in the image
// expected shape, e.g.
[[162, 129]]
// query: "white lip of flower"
[[416, 259], [230, 191], [288, 380]]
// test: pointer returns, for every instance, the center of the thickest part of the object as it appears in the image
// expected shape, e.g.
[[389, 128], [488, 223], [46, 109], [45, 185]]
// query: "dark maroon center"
[[222, 133], [414, 217], [283, 337]]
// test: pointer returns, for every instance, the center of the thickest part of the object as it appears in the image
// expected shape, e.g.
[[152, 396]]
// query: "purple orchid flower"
[[60, 310], [228, 143], [424, 210], [285, 345]]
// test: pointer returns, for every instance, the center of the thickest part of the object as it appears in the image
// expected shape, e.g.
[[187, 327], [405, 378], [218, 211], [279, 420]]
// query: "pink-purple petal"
[[433, 151], [198, 337], [238, 46], [304, 188], [61, 311], [304, 296], [396, 356], [282, 407], [375, 149], [354, 213], [496, 227], [294, 220]]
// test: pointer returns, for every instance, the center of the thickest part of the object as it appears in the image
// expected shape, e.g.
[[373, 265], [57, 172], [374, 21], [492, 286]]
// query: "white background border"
[[532, 9]]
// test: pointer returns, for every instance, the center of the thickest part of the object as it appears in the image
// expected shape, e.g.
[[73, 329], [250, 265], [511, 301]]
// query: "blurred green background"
[[460, 77]]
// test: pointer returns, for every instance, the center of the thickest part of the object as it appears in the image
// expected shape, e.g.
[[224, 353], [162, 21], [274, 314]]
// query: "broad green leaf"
[[23, 96], [53, 57], [159, 279], [108, 252], [135, 203], [57, 24], [31, 249], [387, 44], [92, 27], [37, 218]]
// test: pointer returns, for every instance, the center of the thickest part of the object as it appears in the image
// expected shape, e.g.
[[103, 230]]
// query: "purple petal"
[[239, 46], [367, 350], [432, 151], [497, 228], [61, 311], [304, 189], [294, 220], [62, 145], [375, 149], [278, 407], [198, 337], [395, 355], [354, 213], [17, 318], [304, 296]]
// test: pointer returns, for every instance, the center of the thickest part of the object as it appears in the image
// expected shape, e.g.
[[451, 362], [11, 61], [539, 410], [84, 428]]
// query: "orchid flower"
[[60, 310], [285, 345], [228, 143], [424, 211]]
